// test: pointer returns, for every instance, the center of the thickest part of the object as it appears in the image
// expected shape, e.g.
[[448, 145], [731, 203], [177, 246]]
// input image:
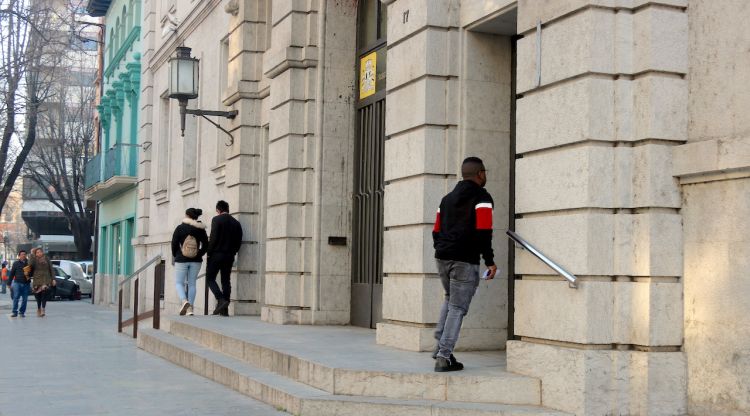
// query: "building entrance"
[[367, 246]]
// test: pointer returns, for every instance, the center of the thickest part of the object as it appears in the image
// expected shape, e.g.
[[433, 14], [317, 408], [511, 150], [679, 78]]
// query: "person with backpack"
[[189, 244]]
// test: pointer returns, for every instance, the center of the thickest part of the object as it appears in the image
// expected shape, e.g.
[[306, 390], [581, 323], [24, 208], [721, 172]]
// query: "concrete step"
[[479, 385], [304, 400]]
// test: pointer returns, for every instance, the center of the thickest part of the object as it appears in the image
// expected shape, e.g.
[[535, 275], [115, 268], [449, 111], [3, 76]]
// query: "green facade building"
[[111, 175]]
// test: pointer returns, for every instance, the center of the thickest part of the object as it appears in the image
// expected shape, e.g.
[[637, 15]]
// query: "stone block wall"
[[602, 102], [448, 98], [714, 171], [310, 147]]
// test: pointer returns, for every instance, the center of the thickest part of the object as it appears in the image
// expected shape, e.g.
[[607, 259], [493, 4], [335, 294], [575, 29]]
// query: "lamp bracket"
[[228, 114]]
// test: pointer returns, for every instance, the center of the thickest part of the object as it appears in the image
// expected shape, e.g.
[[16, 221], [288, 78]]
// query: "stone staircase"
[[313, 371]]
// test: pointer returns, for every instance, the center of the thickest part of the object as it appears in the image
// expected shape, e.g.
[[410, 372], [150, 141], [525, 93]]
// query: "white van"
[[77, 274]]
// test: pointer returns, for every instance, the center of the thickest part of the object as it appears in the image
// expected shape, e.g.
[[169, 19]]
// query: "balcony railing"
[[93, 171], [119, 160]]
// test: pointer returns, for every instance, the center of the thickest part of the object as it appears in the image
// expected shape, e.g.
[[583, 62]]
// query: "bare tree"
[[65, 131], [57, 161], [28, 67]]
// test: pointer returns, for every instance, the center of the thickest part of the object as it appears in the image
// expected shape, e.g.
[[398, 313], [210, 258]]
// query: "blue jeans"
[[4, 286], [186, 272], [20, 291], [460, 281]]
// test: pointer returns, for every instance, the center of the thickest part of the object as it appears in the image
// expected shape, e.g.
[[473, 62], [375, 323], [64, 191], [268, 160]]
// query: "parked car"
[[66, 288], [77, 273]]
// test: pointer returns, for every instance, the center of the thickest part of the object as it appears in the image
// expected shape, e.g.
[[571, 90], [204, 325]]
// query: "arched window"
[[111, 43], [135, 11], [118, 34], [127, 19]]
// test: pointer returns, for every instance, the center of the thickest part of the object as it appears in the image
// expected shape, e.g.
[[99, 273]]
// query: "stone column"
[[245, 91], [597, 118], [421, 160]]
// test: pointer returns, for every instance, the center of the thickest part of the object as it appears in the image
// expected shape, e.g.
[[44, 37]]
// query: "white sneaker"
[[190, 310], [184, 307]]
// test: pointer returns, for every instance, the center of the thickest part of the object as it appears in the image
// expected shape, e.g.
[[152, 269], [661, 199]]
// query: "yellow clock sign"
[[367, 75]]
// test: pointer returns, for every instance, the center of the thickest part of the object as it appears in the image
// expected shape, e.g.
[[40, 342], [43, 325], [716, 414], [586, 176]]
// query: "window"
[[162, 177]]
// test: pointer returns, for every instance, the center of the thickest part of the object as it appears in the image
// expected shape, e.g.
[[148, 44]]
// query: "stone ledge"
[[711, 160], [604, 382]]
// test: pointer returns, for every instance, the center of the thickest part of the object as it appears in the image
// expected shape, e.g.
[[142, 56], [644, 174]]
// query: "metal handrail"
[[571, 278], [140, 269]]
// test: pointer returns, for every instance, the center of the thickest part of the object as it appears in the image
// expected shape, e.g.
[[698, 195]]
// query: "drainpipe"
[[317, 207]]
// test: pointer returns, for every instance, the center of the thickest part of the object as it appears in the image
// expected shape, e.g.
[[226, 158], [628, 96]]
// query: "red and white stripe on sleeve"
[[484, 215], [436, 228]]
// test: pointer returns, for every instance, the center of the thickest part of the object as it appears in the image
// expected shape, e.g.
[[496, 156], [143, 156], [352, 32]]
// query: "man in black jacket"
[[20, 284], [463, 231], [223, 245]]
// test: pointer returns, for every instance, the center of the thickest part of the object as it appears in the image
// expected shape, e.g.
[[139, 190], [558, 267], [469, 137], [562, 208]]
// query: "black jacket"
[[197, 230], [226, 235], [463, 227], [16, 272]]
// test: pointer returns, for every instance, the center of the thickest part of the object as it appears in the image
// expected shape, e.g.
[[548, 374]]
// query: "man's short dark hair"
[[21, 251], [222, 206], [471, 167]]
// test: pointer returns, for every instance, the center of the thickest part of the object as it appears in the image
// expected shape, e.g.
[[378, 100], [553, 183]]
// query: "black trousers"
[[220, 263], [41, 298]]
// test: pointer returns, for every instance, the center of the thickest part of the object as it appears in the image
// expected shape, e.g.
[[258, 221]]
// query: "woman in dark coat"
[[43, 279], [189, 243]]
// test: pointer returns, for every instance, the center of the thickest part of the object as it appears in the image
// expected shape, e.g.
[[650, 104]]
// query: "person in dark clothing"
[[189, 244], [462, 232], [20, 283], [223, 245]]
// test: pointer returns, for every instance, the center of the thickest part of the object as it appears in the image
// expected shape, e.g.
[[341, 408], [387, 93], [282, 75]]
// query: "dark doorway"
[[369, 150]]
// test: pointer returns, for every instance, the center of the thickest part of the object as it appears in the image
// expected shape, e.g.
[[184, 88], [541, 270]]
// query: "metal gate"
[[367, 244]]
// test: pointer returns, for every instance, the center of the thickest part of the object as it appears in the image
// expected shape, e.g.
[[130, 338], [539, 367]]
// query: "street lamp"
[[183, 86]]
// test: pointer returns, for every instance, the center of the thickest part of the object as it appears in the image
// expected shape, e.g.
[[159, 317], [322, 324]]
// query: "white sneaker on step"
[[184, 307], [190, 310]]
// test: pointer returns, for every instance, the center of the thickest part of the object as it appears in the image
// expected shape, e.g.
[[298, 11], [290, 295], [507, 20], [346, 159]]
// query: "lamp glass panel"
[[186, 82]]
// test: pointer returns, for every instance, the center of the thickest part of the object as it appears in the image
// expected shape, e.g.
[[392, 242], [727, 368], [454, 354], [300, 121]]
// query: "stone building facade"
[[615, 133]]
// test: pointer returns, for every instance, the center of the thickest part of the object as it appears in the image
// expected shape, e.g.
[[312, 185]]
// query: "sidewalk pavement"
[[73, 362]]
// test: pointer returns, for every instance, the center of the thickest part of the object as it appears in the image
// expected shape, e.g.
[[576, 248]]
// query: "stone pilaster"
[[420, 163], [291, 64], [597, 117], [243, 176]]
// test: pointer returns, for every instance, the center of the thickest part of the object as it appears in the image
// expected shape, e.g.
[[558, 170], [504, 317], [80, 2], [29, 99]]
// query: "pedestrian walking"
[[19, 280], [189, 244], [223, 245], [4, 277], [43, 282], [463, 231]]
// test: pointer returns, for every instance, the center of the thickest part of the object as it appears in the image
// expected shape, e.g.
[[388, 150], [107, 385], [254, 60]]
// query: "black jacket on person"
[[463, 227], [226, 236], [197, 230], [16, 272]]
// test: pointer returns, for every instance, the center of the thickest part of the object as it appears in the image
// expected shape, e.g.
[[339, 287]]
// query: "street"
[[73, 362]]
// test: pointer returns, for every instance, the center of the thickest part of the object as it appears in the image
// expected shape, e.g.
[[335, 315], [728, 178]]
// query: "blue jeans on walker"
[[460, 281], [20, 291], [186, 272]]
